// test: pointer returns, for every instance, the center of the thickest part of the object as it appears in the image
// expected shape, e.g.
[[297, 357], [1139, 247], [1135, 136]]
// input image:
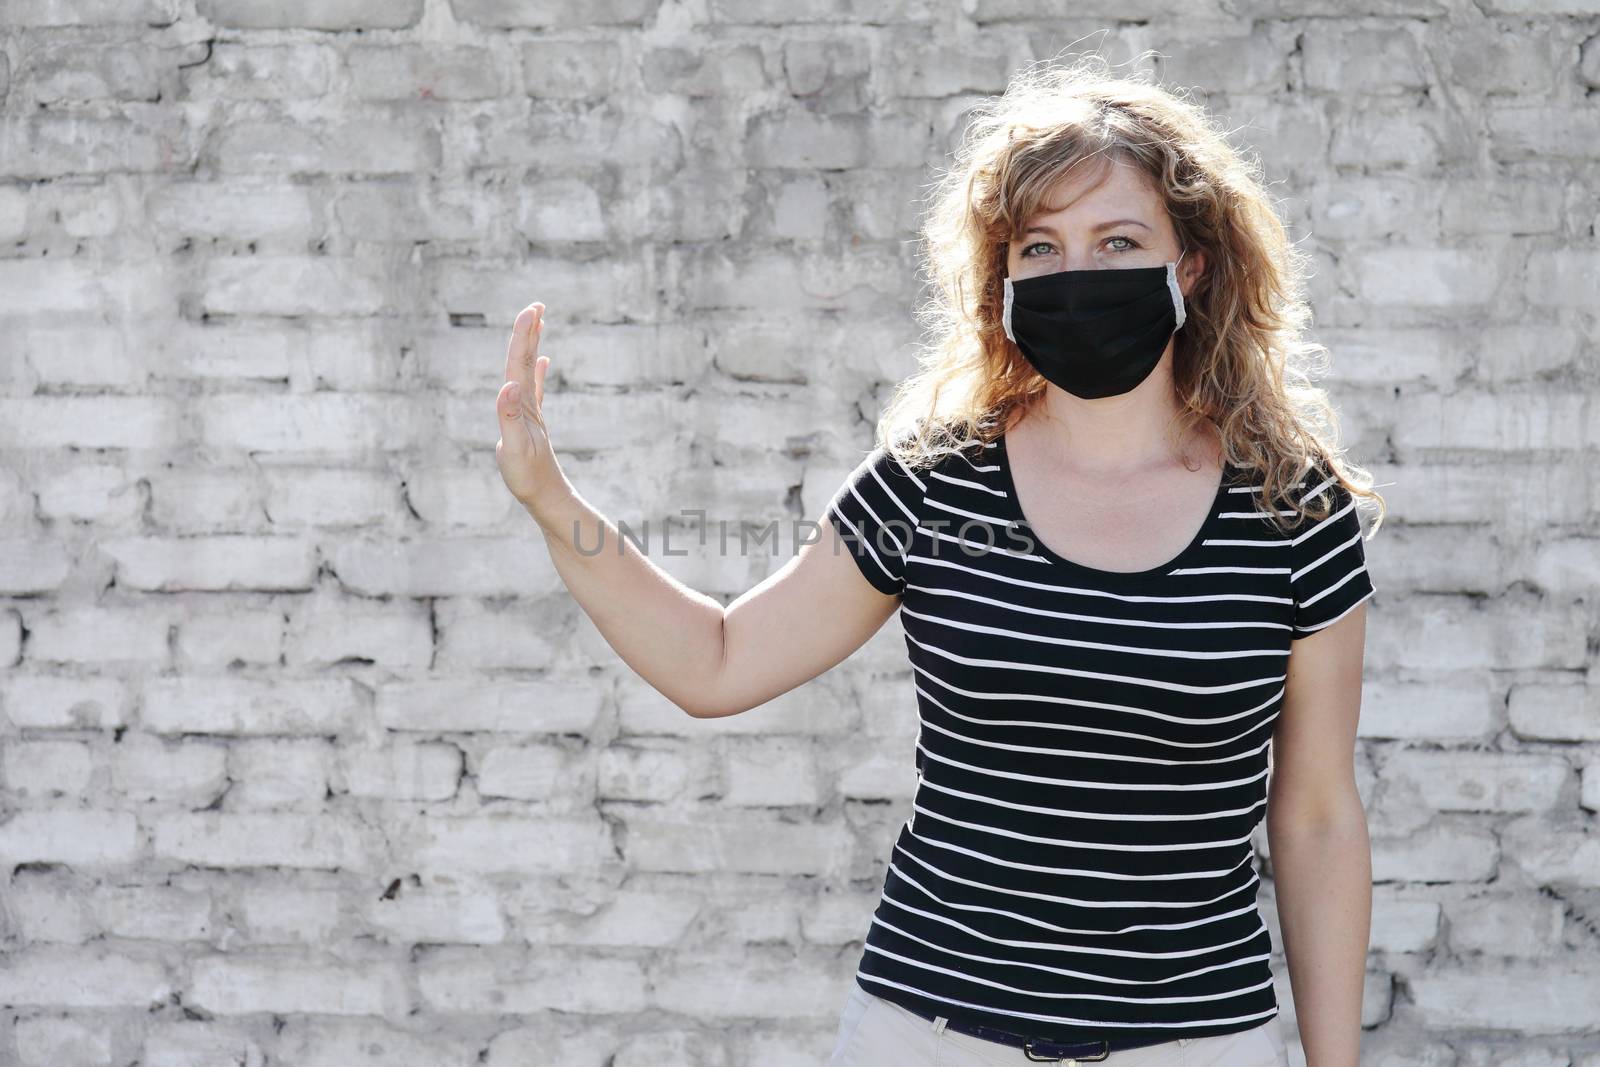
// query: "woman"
[[1129, 568]]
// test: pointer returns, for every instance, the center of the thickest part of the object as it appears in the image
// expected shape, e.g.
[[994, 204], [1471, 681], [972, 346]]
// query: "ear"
[[1191, 270]]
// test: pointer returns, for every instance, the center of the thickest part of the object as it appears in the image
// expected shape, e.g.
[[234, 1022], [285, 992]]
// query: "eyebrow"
[[1097, 229]]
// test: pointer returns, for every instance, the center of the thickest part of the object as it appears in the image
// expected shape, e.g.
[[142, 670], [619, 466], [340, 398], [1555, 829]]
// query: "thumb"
[[513, 433]]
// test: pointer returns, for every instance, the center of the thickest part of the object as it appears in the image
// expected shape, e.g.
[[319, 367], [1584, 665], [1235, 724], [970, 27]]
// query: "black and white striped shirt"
[[1092, 752]]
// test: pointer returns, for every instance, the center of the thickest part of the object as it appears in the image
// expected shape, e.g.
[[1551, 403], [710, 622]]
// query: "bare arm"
[[709, 660], [1317, 833]]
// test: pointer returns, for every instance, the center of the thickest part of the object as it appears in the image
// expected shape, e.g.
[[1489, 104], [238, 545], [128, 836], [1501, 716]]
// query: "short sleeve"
[[1329, 576], [875, 513]]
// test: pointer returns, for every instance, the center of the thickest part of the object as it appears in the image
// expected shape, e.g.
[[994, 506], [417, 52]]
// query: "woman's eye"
[[1132, 244]]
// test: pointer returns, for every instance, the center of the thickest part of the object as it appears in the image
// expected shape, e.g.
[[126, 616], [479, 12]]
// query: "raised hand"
[[523, 453]]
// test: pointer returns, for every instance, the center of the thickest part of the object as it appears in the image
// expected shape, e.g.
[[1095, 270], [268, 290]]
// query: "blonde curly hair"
[[1240, 360]]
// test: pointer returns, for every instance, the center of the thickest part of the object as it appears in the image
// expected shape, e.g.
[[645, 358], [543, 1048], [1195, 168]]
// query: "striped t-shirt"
[[1092, 752]]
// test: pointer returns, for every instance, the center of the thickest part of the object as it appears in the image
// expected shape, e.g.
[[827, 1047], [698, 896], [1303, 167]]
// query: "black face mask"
[[1095, 333]]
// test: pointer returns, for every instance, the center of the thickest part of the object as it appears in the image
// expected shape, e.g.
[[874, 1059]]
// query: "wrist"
[[557, 512]]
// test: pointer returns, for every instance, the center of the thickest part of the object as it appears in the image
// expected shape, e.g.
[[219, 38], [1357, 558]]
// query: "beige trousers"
[[874, 1032]]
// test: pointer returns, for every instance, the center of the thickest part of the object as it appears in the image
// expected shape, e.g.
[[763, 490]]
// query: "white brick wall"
[[308, 757]]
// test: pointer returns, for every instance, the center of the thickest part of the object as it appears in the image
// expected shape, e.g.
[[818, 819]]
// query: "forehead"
[[1117, 188]]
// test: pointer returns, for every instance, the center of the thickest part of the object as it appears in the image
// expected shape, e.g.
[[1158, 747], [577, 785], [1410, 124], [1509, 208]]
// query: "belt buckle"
[[1027, 1050]]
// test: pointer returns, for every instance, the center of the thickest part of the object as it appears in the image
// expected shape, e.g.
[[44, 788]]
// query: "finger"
[[513, 431], [540, 369], [518, 357]]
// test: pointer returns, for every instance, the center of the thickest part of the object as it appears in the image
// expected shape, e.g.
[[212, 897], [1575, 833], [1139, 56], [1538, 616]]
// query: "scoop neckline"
[[1044, 551]]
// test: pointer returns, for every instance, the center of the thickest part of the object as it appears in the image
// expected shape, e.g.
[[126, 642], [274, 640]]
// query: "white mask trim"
[[1005, 312], [1177, 294]]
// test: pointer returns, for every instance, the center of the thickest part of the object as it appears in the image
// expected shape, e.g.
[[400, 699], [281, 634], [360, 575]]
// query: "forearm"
[[669, 634], [1323, 877]]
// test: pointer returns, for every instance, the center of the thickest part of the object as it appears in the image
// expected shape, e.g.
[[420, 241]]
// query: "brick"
[[231, 638], [185, 500], [553, 14], [1403, 925], [248, 706], [220, 209], [472, 635], [438, 917], [1216, 62], [464, 566], [67, 75], [795, 139], [45, 1040], [571, 69], [1553, 853], [838, 64], [1424, 277], [1521, 997], [146, 769], [100, 359], [1372, 61], [83, 978], [82, 837], [1501, 419], [546, 774], [1554, 712], [764, 984], [708, 69], [14, 213], [493, 843], [312, 14], [29, 567], [1506, 924], [424, 73], [1450, 851], [1481, 781], [42, 14], [477, 983], [717, 839], [90, 492], [228, 985], [367, 143], [10, 640], [189, 1042], [318, 423], [298, 498], [1427, 711], [244, 840], [473, 496], [44, 770], [403, 770], [397, 635], [87, 421], [101, 636], [554, 706], [1520, 132], [632, 917], [1563, 278], [48, 145], [278, 774], [278, 913], [63, 703], [770, 773], [645, 771], [1365, 207], [155, 913], [787, 12], [219, 563]]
